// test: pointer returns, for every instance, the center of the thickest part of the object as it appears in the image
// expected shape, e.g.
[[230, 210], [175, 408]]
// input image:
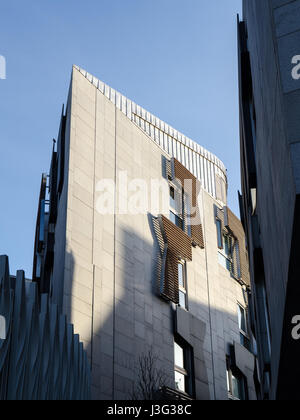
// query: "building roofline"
[[129, 107]]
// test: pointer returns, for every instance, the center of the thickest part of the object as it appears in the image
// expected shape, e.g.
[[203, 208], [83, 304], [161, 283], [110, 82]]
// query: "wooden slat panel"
[[192, 189], [179, 243], [171, 286], [179, 247], [235, 229], [197, 235], [168, 255]]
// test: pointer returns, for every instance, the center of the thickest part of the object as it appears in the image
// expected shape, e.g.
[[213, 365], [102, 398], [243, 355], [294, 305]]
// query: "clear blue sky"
[[175, 58]]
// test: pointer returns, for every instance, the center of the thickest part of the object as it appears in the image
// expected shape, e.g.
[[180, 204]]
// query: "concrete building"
[[269, 57], [134, 269]]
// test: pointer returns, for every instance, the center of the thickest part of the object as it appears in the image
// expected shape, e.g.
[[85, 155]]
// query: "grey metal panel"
[[197, 158], [170, 146], [187, 160], [288, 48], [295, 155], [35, 361], [287, 18], [191, 162], [182, 155], [174, 148], [2, 328], [202, 171], [209, 177], [214, 178], [205, 175]]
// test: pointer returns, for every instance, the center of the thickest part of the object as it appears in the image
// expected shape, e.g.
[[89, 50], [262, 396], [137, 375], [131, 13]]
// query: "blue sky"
[[175, 58]]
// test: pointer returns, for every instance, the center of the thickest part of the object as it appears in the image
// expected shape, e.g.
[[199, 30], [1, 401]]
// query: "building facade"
[[136, 245], [269, 57]]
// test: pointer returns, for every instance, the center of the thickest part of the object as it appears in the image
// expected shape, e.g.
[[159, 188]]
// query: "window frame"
[[180, 369], [176, 218], [243, 311], [227, 256], [188, 367], [183, 289], [244, 334], [176, 213], [172, 198], [219, 233]]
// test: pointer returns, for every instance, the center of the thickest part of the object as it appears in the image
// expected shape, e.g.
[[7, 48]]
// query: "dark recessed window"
[[220, 234], [176, 220], [236, 384]]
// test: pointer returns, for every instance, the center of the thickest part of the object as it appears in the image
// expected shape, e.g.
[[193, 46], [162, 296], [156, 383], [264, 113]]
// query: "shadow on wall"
[[129, 319]]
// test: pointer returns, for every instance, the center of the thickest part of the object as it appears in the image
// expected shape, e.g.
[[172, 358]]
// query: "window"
[[182, 284], [176, 220], [180, 372], [172, 198], [242, 319], [243, 326], [187, 208], [227, 248], [176, 206], [224, 262], [180, 208], [183, 367], [225, 253], [229, 251], [220, 234], [264, 320], [236, 384]]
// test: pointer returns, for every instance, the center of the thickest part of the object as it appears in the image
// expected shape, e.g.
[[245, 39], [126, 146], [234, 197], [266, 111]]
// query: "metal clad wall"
[[40, 358]]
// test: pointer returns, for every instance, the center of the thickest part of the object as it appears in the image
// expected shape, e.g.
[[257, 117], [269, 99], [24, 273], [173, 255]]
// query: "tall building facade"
[[136, 245], [269, 57]]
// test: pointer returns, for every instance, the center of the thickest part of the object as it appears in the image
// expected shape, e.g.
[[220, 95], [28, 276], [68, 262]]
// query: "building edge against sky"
[[148, 281], [204, 165]]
